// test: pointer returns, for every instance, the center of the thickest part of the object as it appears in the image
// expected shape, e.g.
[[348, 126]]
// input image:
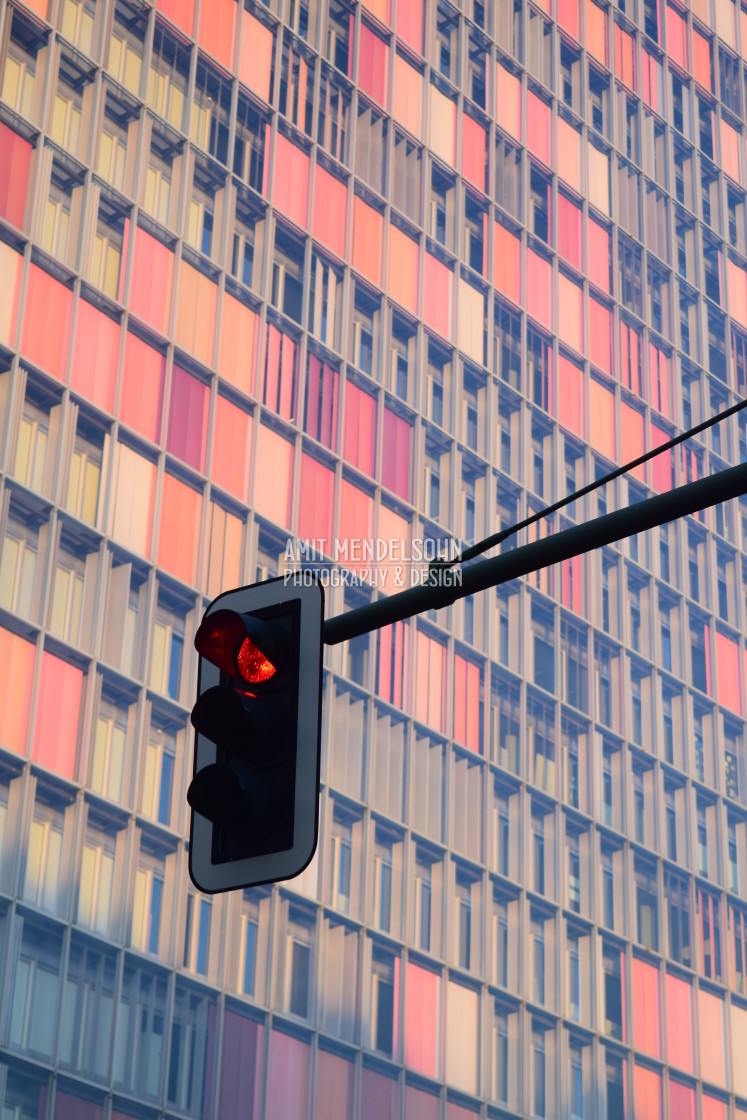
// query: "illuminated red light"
[[223, 640], [253, 665]]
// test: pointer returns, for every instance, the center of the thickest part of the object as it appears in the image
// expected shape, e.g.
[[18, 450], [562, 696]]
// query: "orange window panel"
[[368, 235], [474, 151], [702, 69], [232, 446], [378, 8], [539, 128], [407, 102], [356, 525], [404, 255], [255, 55], [508, 102], [17, 659], [736, 286], [731, 156], [217, 29], [625, 58], [95, 356], [570, 240], [150, 282], [409, 23], [570, 399], [646, 1008], [507, 262], [315, 503], [49, 302], [631, 424], [195, 313], [438, 295], [422, 1019], [467, 702], [602, 419], [180, 12], [186, 434], [596, 31], [676, 37], [57, 715], [600, 335], [373, 65], [568, 18], [11, 267], [41, 7], [712, 1041], [646, 1093], [290, 180], [394, 530], [569, 154], [238, 344], [679, 1023], [330, 208], [539, 288], [179, 532], [570, 313], [15, 161], [273, 477], [141, 398], [359, 436], [727, 673], [713, 1108]]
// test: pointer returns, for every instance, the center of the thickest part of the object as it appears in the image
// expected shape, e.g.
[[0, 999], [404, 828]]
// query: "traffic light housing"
[[255, 792]]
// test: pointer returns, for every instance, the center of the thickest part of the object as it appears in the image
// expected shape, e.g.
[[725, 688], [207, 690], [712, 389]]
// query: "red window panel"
[[186, 434], [17, 659], [713, 1108], [570, 221], [217, 28], [736, 285], [702, 69], [599, 254], [731, 157], [596, 31], [368, 236], [279, 373], [373, 65], [359, 435], [320, 413], [180, 12], [330, 207], [379, 1091], [727, 673], [430, 682], [315, 501], [507, 262], [196, 306], [631, 423], [570, 395], [600, 335], [15, 160], [404, 256], [568, 18], [572, 584], [679, 1023], [508, 102], [356, 525], [407, 102], [395, 467], [646, 1008], [539, 288], [662, 465], [712, 1040], [150, 281], [57, 715], [568, 152], [681, 1101], [179, 532], [630, 358], [141, 398], [11, 267], [646, 1093], [467, 702], [438, 295], [602, 418], [51, 303], [570, 313], [238, 340], [255, 55], [676, 37], [409, 23], [625, 58], [273, 477], [95, 356], [539, 127], [232, 446], [474, 151], [290, 179], [334, 1093], [391, 664], [422, 1021]]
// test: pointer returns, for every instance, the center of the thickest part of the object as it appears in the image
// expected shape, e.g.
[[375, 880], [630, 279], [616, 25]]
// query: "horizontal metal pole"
[[539, 554]]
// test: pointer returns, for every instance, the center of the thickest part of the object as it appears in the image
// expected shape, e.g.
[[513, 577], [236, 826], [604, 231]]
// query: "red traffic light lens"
[[222, 638]]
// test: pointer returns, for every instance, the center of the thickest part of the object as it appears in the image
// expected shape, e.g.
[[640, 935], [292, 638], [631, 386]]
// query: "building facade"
[[399, 271]]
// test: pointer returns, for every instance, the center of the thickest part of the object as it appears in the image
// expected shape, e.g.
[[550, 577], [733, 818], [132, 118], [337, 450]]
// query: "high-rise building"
[[407, 271]]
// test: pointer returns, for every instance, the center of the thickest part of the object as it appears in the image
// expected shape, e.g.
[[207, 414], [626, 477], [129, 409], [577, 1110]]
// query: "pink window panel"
[[180, 12], [508, 102], [539, 128], [279, 373], [242, 1067], [393, 648], [334, 1094], [568, 152], [420, 1104], [630, 358], [713, 1108], [731, 155], [407, 103], [438, 295], [662, 465], [150, 281], [95, 356], [179, 532], [409, 23], [17, 659], [373, 65], [378, 8], [430, 682], [217, 29], [568, 18], [570, 398], [359, 435], [474, 151], [676, 37], [702, 70], [320, 420], [456, 1111], [467, 702], [738, 1039], [602, 418], [379, 1092], [11, 267], [289, 1078], [195, 313], [631, 424], [658, 369], [186, 434], [646, 1093], [141, 398], [624, 58], [570, 313], [727, 673], [15, 161], [71, 1106], [404, 256], [507, 262], [395, 467], [422, 1020], [51, 303], [57, 715], [572, 584], [368, 237], [646, 1008], [356, 525], [681, 1101], [315, 501], [570, 221], [736, 285], [290, 179], [600, 335], [395, 531], [273, 477], [238, 341], [330, 206], [712, 1041], [599, 254], [255, 56], [232, 448], [539, 288], [596, 32]]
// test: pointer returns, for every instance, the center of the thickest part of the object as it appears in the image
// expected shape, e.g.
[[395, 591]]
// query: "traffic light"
[[255, 792]]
